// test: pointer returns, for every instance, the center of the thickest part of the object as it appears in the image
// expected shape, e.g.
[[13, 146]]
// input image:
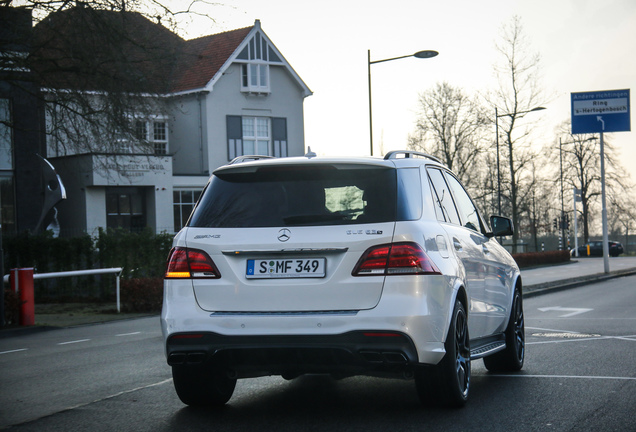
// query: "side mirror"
[[501, 226]]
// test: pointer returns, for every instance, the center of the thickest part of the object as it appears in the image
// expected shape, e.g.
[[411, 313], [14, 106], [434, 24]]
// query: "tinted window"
[[467, 210], [442, 196], [409, 194], [289, 195]]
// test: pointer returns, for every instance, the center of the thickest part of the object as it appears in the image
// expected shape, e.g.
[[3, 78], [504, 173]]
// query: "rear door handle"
[[457, 244], [485, 248]]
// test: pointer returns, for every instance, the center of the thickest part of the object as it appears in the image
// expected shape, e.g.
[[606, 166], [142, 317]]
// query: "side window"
[[467, 209], [442, 196], [409, 205]]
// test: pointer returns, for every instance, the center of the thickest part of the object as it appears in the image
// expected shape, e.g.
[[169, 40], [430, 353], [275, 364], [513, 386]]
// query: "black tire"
[[199, 385], [511, 359], [448, 383]]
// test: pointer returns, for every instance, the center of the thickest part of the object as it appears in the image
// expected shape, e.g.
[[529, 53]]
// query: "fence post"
[[118, 295], [21, 280]]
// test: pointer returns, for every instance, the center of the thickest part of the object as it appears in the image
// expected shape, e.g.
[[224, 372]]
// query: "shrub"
[[11, 307], [531, 259], [141, 294], [141, 255]]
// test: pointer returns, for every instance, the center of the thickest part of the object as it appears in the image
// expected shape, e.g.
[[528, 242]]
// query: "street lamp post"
[[419, 54], [497, 115]]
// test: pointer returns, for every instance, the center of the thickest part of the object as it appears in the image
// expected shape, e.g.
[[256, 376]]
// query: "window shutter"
[[279, 136], [234, 136]]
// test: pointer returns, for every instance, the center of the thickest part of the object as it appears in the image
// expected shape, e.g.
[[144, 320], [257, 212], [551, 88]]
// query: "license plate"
[[286, 268]]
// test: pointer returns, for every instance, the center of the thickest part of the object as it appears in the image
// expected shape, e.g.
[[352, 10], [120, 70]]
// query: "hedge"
[[141, 255], [532, 259]]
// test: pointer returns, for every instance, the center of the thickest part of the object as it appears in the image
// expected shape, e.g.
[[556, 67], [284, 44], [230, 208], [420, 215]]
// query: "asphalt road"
[[579, 376]]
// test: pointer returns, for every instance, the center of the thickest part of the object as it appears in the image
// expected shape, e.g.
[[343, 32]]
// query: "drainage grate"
[[566, 335]]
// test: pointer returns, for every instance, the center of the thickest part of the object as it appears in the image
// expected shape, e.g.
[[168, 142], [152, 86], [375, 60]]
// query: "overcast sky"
[[585, 45]]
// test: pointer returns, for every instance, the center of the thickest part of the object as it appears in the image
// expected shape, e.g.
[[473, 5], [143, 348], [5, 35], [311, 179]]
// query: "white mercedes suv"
[[340, 266]]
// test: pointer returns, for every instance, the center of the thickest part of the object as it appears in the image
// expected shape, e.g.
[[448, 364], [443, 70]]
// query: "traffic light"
[[554, 224]]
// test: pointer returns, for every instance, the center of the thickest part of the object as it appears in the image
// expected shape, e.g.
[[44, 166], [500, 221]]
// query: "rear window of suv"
[[297, 195]]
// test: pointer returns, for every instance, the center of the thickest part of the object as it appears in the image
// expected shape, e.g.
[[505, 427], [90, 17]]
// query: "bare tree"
[[582, 170], [518, 94], [104, 66], [624, 212], [451, 126]]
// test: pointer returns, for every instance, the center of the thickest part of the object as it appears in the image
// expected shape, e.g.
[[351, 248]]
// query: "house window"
[[160, 138], [125, 208], [141, 130], [152, 135], [255, 77], [256, 136], [184, 201]]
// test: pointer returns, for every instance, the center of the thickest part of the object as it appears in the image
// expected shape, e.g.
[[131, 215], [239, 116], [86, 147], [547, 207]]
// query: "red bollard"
[[21, 280]]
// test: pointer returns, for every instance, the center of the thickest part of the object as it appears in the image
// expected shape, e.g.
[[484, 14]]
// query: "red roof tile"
[[203, 58]]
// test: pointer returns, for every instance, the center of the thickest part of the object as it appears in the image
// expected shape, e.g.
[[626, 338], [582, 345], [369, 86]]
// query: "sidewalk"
[[536, 281], [579, 271]]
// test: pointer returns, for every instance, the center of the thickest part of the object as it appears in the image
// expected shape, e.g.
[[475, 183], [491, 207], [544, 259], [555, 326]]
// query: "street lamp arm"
[[419, 54], [521, 112], [389, 59]]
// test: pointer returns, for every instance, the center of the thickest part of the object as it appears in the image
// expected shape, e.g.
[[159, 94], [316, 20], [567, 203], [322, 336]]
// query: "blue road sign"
[[600, 111]]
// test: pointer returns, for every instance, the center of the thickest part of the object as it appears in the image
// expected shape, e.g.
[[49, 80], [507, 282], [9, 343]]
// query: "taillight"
[[190, 263], [395, 259]]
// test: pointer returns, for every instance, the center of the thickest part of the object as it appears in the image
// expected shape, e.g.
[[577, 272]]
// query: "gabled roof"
[[118, 51], [205, 56]]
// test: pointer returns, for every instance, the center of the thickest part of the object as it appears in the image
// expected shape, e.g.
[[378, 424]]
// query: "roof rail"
[[248, 158], [409, 154]]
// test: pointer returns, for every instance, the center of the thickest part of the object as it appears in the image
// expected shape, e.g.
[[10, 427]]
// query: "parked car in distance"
[[341, 266], [595, 248]]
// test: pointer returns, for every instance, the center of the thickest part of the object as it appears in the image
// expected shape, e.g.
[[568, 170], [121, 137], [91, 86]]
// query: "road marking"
[[568, 340], [118, 394], [127, 334], [81, 405], [628, 338], [12, 351], [563, 376], [73, 342], [573, 311], [551, 330]]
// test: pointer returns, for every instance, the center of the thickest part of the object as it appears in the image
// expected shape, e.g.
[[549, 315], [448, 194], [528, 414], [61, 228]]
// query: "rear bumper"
[[418, 307], [353, 353]]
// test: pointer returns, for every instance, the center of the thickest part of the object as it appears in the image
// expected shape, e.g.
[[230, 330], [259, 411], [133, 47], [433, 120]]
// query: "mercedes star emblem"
[[284, 234]]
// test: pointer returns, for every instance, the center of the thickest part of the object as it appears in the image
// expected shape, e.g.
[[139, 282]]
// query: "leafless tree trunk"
[[518, 94], [103, 65], [582, 170]]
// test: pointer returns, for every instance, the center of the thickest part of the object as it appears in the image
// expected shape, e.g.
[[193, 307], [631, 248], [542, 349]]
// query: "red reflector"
[[187, 336], [378, 334]]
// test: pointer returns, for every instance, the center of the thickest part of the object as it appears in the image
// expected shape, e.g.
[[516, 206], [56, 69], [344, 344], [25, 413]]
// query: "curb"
[[561, 285]]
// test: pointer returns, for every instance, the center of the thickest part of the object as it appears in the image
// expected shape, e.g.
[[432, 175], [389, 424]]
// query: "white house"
[[225, 95]]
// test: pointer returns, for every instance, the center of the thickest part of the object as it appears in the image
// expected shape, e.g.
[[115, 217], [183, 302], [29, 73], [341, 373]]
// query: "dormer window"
[[256, 58]]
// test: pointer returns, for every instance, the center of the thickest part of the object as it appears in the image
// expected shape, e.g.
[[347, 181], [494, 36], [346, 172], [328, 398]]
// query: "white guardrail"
[[117, 270]]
